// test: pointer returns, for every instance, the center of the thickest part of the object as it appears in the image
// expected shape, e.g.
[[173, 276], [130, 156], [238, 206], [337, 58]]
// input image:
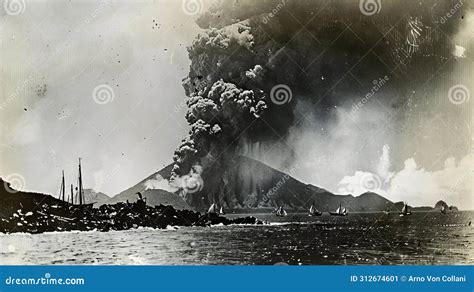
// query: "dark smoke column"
[[249, 47]]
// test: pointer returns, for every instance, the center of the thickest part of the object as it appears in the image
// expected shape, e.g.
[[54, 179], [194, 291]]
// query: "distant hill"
[[153, 196], [95, 197]]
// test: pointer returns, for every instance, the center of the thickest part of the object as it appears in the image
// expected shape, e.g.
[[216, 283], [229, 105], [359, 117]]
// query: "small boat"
[[339, 211], [280, 212], [443, 210], [405, 211], [213, 209], [313, 211], [221, 211], [386, 211]]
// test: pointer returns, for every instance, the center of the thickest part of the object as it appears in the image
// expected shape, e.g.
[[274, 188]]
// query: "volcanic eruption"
[[260, 68]]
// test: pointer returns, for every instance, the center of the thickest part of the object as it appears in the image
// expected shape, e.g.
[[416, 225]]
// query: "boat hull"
[[405, 214], [338, 214], [316, 214]]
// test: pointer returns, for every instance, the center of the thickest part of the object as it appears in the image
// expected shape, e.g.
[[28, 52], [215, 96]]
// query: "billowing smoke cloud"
[[322, 56], [159, 183]]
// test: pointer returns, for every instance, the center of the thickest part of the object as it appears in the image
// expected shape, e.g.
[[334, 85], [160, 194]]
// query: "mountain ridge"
[[247, 184]]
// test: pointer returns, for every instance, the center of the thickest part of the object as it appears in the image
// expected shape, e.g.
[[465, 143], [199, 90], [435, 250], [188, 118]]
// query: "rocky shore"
[[36, 213], [120, 216]]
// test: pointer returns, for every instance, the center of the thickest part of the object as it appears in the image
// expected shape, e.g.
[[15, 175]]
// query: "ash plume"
[[318, 51]]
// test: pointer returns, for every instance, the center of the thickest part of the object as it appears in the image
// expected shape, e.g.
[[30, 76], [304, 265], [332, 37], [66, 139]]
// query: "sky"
[[55, 53], [102, 80]]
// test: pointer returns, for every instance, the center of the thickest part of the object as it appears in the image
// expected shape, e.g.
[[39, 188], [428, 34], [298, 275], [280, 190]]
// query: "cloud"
[[415, 184], [453, 183]]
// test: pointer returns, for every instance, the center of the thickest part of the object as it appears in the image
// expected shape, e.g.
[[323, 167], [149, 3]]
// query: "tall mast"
[[80, 183], [63, 188], [72, 195]]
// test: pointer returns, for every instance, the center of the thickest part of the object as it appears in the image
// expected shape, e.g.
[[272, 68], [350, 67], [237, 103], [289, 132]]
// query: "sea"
[[423, 238]]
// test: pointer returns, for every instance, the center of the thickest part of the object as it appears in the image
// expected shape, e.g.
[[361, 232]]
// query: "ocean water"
[[424, 238]]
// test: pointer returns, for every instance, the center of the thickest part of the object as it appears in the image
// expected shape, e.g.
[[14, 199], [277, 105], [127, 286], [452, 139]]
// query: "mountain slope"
[[250, 184], [246, 184], [153, 196], [98, 198]]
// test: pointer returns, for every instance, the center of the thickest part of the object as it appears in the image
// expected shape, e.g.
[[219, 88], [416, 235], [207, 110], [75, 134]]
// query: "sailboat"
[[221, 211], [313, 211], [339, 211], [212, 209], [405, 210], [280, 212]]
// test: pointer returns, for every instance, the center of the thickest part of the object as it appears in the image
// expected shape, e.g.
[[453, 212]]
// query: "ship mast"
[[72, 195], [80, 183], [63, 188]]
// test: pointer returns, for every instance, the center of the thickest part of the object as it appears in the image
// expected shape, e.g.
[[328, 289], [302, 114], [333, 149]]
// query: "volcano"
[[248, 185]]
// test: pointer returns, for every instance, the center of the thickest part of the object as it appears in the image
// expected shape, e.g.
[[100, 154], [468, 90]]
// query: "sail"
[[338, 210], [344, 210], [405, 209], [212, 209], [221, 210], [311, 209], [281, 211]]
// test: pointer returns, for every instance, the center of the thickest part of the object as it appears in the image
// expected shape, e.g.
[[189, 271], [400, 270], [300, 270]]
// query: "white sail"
[[311, 209], [281, 211], [338, 210], [344, 210], [212, 209], [404, 210], [221, 211]]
